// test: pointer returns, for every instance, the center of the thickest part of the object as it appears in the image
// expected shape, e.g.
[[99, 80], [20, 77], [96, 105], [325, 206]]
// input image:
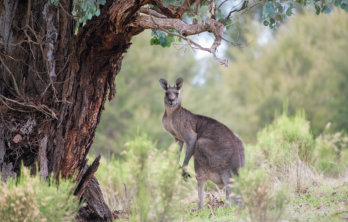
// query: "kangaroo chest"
[[172, 127]]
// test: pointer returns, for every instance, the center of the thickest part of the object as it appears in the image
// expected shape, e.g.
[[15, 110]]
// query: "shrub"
[[146, 184], [263, 201], [287, 149], [286, 139], [28, 198], [331, 152], [18, 204]]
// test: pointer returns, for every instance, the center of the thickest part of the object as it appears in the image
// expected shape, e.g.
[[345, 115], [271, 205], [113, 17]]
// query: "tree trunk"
[[53, 85]]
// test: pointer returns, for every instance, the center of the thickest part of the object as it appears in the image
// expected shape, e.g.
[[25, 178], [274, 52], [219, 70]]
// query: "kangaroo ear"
[[164, 84], [178, 83]]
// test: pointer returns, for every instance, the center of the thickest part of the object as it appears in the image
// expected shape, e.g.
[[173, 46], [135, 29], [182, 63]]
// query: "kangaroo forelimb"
[[181, 144], [190, 144]]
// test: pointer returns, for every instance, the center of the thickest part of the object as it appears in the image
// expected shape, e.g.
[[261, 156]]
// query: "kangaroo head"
[[172, 96]]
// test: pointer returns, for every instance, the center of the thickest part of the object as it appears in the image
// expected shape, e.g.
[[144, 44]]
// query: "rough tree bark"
[[53, 84]]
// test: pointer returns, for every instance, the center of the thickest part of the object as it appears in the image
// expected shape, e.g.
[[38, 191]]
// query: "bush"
[[286, 139], [18, 203], [263, 201], [290, 154], [280, 159], [146, 184], [331, 152], [28, 198], [287, 148]]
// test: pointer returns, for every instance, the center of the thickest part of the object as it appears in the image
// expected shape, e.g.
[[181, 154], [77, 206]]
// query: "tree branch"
[[184, 30], [149, 11], [169, 17], [173, 11]]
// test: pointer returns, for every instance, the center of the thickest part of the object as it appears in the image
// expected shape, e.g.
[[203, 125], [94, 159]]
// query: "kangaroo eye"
[[167, 94], [176, 94]]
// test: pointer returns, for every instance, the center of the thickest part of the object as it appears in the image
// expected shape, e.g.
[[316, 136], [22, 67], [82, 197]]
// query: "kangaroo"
[[217, 151]]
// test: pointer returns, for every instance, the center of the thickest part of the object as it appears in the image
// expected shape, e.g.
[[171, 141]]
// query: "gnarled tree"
[[54, 81]]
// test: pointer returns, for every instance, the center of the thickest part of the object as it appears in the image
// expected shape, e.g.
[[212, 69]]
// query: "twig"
[[211, 210], [13, 78], [221, 61], [41, 108], [19, 110], [245, 4], [223, 2], [252, 6], [230, 42]]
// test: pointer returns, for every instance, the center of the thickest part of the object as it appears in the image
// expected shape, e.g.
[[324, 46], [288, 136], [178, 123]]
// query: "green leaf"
[[153, 33], [279, 7], [326, 9], [344, 6], [101, 2], [337, 3], [154, 41], [89, 16], [317, 9], [301, 2], [170, 39], [268, 10], [54, 2], [84, 6], [161, 38], [163, 42], [279, 17], [97, 13], [266, 23], [289, 10]]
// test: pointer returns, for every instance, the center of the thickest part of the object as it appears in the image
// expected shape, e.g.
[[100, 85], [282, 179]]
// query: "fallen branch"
[[87, 177], [88, 188]]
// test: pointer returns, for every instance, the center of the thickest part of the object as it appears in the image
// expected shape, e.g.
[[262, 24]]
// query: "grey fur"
[[217, 151]]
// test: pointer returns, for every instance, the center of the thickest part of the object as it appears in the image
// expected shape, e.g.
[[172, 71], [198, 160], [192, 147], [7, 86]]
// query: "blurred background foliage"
[[303, 63]]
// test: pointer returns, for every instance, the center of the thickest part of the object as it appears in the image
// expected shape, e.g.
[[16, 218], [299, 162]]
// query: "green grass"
[[213, 214], [324, 202]]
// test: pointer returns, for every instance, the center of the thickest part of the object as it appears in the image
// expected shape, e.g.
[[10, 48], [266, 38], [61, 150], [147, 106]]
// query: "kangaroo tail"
[[240, 150], [241, 156]]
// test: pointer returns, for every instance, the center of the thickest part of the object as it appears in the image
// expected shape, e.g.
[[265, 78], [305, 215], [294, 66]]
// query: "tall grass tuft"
[[28, 198]]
